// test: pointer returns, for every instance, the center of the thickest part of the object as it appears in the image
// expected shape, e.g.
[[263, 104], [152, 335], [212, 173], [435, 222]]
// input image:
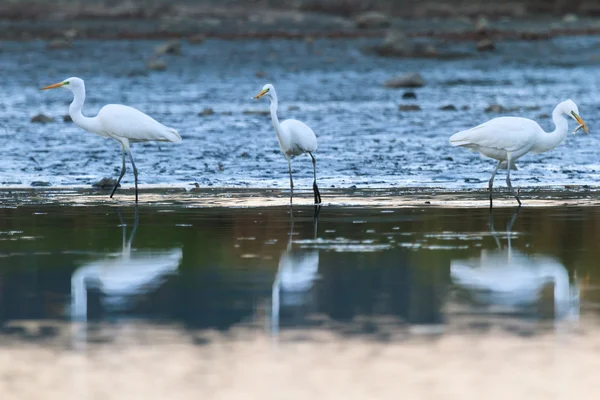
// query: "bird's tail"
[[172, 135]]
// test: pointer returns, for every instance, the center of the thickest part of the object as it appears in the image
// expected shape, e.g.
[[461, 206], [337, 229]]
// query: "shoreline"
[[254, 198]]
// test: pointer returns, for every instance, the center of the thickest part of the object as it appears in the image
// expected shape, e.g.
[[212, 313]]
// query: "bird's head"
[[267, 90], [570, 108], [69, 83]]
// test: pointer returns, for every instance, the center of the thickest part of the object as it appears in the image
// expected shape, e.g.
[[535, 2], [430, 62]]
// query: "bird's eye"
[[66, 83]]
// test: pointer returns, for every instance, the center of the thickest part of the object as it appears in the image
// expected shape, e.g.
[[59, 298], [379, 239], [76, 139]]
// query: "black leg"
[[291, 180], [123, 168], [509, 184], [135, 174], [491, 184], [315, 187]]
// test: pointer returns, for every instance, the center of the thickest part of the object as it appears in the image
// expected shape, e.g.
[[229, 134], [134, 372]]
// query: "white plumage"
[[506, 139], [122, 123], [295, 138]]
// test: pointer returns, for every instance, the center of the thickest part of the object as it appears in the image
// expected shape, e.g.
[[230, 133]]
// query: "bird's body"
[[506, 139], [121, 123], [141, 127], [294, 137]]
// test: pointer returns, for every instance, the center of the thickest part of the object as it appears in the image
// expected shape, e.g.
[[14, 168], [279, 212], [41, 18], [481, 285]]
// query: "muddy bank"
[[43, 19], [230, 197]]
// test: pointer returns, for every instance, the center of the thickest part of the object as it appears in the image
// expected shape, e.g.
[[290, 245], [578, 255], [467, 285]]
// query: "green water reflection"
[[356, 271]]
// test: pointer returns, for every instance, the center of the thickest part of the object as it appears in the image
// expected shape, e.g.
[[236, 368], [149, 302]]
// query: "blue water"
[[363, 139]]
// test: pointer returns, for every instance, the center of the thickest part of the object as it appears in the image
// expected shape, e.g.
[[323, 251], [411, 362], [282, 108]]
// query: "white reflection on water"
[[516, 281], [296, 274], [122, 275]]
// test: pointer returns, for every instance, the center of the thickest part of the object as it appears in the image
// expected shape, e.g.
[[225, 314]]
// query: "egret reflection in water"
[[296, 274], [123, 275], [516, 281]]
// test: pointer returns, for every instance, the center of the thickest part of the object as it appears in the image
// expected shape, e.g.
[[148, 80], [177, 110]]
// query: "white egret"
[[122, 123], [508, 138], [295, 138]]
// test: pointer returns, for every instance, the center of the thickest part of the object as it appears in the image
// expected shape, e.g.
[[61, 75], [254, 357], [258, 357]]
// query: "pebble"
[[42, 119], [206, 112], [105, 183], [409, 107], [409, 80]]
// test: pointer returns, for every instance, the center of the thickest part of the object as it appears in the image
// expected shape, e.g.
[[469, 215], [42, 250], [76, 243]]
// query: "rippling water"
[[363, 139]]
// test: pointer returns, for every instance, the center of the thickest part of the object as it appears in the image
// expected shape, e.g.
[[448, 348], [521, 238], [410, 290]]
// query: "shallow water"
[[217, 268], [248, 302], [338, 90]]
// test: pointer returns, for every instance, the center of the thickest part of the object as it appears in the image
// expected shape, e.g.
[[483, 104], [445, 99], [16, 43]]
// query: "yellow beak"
[[54, 86], [261, 94], [581, 123]]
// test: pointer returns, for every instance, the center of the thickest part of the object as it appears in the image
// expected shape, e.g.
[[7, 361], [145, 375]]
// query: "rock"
[[256, 112], [409, 80], [543, 116], [40, 183], [105, 183], [67, 118], [448, 107], [532, 108], [56, 44], [409, 107], [465, 108], [372, 20], [226, 113], [293, 108], [171, 47], [570, 18], [42, 119], [396, 44], [206, 112], [482, 24], [497, 108], [156, 64], [485, 45], [245, 155], [70, 34], [196, 39], [409, 95]]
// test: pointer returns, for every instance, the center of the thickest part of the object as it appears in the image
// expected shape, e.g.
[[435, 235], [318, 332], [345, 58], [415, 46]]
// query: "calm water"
[[337, 89], [372, 272]]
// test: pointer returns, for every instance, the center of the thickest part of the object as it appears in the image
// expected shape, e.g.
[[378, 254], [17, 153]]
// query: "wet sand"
[[234, 197]]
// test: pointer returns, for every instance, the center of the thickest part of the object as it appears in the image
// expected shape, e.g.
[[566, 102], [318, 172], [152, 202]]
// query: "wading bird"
[[508, 138], [122, 123], [295, 138]]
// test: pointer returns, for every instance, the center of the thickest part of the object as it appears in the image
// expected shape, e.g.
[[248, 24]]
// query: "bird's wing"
[[127, 122], [302, 138], [504, 133]]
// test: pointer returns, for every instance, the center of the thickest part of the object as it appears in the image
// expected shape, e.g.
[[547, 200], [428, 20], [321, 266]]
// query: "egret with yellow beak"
[[506, 139], [122, 123], [295, 138]]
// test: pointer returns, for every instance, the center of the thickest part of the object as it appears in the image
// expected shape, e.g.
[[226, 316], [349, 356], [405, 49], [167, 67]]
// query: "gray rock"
[[372, 20], [485, 45], [157, 64], [409, 107], [448, 107], [409, 80], [206, 112], [497, 108], [293, 108], [40, 183], [171, 47], [409, 95], [56, 44], [196, 39], [42, 119], [67, 118], [105, 183], [256, 112]]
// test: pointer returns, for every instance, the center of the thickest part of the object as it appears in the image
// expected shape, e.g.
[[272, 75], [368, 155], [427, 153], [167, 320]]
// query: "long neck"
[[280, 134], [548, 141], [89, 124]]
